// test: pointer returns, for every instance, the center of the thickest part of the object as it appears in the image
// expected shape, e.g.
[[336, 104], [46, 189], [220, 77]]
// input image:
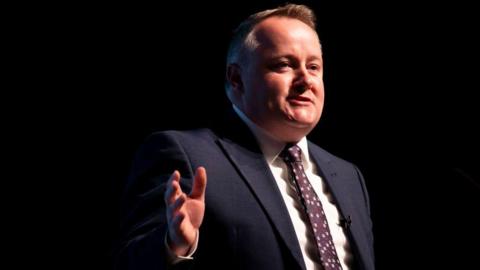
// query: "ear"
[[234, 78]]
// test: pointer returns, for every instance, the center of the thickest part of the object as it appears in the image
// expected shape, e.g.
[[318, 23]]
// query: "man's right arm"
[[145, 223], [184, 212]]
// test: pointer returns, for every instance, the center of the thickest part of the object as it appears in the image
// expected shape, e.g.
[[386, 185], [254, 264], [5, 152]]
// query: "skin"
[[279, 86], [184, 212]]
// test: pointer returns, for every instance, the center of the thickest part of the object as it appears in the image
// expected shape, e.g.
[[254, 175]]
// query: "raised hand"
[[185, 212]]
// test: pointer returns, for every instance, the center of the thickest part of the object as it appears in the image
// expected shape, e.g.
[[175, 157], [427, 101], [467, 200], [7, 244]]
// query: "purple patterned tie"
[[313, 207]]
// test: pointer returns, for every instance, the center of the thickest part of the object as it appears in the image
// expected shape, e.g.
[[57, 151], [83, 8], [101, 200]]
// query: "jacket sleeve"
[[143, 229]]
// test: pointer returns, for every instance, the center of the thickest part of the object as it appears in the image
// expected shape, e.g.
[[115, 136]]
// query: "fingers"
[[199, 184], [177, 220], [184, 213], [174, 209], [173, 189], [178, 203]]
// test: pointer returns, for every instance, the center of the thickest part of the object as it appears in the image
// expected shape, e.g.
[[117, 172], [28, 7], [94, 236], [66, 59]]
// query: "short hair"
[[243, 40]]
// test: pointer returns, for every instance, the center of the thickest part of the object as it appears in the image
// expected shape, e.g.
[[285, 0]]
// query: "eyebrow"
[[314, 57], [290, 56]]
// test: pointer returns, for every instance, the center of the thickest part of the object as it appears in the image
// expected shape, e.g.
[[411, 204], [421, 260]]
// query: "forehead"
[[275, 31]]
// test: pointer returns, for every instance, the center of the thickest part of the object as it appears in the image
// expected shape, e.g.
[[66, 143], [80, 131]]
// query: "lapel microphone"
[[345, 222]]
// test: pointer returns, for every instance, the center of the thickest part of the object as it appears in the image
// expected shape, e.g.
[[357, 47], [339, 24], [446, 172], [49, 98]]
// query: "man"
[[255, 212]]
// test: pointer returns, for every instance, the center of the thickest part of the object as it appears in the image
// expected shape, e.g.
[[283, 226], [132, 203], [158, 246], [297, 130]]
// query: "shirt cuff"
[[173, 258]]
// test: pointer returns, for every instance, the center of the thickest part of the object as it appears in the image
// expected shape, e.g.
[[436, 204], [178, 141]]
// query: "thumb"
[[199, 184]]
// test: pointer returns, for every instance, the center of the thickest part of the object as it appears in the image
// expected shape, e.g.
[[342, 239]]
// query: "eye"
[[283, 64], [280, 66], [314, 67]]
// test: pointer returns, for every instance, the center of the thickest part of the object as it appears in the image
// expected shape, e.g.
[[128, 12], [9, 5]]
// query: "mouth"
[[300, 100]]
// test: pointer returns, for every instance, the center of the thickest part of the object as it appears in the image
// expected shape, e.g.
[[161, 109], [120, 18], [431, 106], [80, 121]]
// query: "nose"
[[303, 81]]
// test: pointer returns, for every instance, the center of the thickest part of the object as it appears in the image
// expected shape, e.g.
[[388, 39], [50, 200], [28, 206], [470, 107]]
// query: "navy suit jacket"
[[246, 223]]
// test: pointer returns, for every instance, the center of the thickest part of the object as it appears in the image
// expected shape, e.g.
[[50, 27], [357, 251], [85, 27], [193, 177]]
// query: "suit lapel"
[[255, 172], [328, 174], [341, 194]]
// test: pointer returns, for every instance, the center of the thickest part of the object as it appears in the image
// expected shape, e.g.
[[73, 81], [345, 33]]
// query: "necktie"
[[313, 207]]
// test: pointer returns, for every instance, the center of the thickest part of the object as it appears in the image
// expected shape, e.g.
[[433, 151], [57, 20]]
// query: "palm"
[[185, 213], [195, 209]]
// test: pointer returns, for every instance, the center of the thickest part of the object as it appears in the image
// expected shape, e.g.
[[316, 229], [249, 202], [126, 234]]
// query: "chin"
[[302, 122], [303, 118], [294, 131]]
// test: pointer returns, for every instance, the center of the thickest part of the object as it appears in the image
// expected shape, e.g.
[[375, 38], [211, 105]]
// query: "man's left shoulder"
[[323, 155]]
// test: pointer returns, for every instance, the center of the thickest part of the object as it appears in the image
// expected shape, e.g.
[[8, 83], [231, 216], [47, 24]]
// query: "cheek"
[[321, 96], [320, 102], [320, 92], [277, 87], [270, 91]]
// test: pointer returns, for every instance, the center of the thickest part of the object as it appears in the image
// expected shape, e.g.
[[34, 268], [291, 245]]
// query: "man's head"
[[275, 71]]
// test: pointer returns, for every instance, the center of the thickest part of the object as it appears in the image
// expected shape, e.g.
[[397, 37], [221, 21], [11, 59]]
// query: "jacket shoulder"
[[326, 156]]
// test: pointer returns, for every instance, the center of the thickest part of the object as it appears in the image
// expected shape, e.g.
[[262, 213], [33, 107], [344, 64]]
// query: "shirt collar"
[[270, 146]]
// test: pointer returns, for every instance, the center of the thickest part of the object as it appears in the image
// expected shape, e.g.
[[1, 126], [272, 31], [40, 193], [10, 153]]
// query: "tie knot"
[[291, 153]]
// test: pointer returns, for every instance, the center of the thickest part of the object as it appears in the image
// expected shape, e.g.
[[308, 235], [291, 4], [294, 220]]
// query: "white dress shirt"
[[271, 148]]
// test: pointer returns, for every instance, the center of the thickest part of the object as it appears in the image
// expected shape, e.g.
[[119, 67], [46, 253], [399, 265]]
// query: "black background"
[[401, 83]]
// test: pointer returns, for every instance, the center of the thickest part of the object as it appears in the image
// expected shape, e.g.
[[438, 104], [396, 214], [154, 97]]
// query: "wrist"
[[179, 249]]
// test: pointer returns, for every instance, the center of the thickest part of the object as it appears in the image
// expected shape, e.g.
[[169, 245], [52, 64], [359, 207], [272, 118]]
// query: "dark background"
[[401, 83]]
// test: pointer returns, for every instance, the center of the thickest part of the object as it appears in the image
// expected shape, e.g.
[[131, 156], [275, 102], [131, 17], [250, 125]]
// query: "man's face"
[[282, 79]]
